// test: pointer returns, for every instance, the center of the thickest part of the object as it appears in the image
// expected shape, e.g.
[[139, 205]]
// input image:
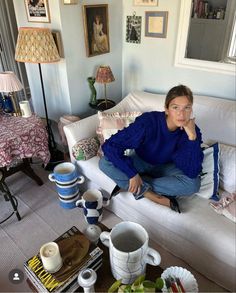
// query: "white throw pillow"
[[210, 173], [228, 167], [110, 123]]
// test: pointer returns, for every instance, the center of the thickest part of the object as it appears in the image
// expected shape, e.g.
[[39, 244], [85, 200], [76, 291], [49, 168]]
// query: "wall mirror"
[[204, 36]]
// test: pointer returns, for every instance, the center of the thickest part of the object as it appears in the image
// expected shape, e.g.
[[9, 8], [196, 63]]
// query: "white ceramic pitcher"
[[129, 251]]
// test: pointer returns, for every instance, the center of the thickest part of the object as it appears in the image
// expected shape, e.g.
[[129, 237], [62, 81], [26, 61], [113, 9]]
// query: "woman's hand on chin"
[[189, 128]]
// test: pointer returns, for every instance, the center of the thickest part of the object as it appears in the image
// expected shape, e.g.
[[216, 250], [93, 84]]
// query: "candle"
[[51, 257], [25, 109]]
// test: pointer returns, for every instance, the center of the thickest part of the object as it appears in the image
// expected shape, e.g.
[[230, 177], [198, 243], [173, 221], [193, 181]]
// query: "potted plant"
[[139, 285]]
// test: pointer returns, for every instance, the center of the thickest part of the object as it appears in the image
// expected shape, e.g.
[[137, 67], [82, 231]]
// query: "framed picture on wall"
[[145, 2], [133, 29], [96, 29], [37, 10], [156, 24]]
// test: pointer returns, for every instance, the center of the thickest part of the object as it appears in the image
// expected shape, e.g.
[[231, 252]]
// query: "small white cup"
[[25, 109], [51, 257]]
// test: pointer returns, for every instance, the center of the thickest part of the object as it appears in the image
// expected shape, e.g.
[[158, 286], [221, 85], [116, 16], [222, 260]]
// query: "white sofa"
[[199, 236]]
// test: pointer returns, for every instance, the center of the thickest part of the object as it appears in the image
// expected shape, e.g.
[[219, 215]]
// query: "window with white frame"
[[232, 44]]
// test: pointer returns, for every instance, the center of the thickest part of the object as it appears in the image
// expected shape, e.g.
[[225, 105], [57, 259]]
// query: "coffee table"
[[104, 276]]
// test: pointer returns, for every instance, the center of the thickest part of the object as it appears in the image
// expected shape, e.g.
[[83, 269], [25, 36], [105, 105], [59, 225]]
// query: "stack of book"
[[77, 253]]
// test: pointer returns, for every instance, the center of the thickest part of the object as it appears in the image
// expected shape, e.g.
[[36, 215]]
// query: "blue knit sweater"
[[155, 144]]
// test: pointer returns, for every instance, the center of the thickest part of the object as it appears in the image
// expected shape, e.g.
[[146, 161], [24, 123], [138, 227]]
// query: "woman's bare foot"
[[171, 203], [157, 198]]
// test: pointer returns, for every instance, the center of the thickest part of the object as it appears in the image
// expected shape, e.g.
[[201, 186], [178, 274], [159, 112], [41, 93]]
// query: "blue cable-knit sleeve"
[[127, 138], [189, 156]]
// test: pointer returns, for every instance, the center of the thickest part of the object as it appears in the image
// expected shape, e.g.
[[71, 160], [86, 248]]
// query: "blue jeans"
[[163, 179]]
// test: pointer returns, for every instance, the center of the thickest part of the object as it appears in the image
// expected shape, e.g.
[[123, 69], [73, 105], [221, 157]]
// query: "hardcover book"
[[77, 253]]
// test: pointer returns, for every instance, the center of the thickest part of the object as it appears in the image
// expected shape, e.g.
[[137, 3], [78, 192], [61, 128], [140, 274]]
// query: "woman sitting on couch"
[[168, 158]]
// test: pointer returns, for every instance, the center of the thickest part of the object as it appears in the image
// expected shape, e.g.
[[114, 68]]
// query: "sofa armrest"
[[78, 130]]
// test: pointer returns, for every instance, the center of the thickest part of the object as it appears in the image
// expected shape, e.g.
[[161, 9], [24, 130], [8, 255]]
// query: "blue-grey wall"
[[150, 65]]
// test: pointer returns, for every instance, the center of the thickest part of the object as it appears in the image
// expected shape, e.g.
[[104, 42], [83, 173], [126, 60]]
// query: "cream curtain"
[[8, 37]]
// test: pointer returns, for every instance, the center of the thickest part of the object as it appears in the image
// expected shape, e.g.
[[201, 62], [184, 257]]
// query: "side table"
[[8, 197], [103, 104], [21, 140]]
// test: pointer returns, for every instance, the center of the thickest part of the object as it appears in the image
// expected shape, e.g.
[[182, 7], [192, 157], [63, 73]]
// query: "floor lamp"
[[36, 45]]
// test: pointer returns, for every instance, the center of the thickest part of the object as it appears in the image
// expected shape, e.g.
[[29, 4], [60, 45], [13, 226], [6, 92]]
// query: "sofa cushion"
[[210, 173], [228, 167], [110, 123], [86, 148]]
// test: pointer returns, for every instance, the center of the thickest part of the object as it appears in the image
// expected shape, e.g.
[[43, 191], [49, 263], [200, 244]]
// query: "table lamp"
[[9, 83], [36, 45], [104, 75]]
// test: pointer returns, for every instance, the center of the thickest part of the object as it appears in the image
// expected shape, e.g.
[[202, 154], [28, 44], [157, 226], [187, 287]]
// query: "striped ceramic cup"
[[67, 180], [92, 203]]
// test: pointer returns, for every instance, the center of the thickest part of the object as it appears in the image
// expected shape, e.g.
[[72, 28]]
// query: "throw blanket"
[[226, 206]]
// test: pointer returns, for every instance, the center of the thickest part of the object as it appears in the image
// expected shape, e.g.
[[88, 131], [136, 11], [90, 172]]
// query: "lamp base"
[[16, 114], [16, 111]]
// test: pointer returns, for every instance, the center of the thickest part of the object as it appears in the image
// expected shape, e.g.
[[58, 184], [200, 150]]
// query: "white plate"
[[187, 279]]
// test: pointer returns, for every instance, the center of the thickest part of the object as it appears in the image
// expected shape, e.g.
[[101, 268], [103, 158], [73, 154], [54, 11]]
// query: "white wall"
[[66, 86], [150, 65]]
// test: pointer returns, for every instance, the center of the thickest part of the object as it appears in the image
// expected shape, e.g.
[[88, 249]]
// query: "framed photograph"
[[133, 29], [156, 24], [37, 10], [96, 29], [145, 2]]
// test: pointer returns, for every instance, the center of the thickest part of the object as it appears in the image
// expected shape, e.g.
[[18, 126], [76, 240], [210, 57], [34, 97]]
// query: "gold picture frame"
[[37, 10], [96, 29], [145, 2], [156, 24]]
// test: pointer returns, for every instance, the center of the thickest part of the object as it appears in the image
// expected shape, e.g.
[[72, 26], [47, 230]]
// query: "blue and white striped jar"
[[67, 180]]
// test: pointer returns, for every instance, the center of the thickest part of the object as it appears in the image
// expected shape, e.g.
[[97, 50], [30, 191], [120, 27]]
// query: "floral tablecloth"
[[22, 138]]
